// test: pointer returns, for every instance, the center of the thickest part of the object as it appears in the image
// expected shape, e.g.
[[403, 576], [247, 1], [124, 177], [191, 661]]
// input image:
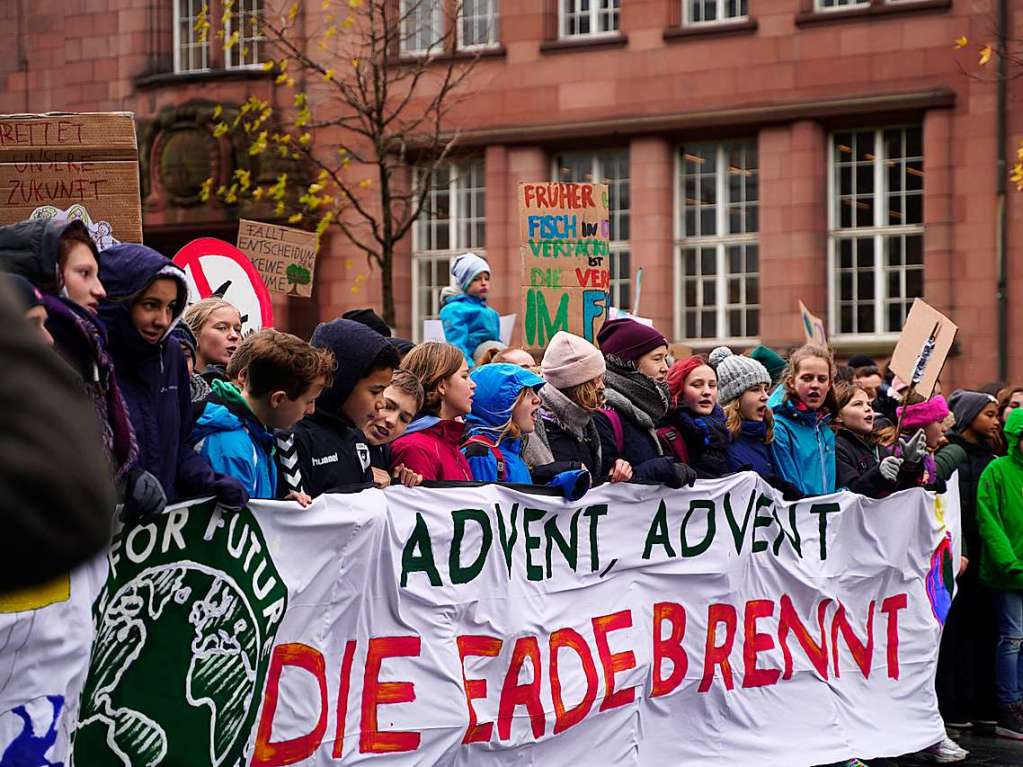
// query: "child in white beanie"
[[465, 316]]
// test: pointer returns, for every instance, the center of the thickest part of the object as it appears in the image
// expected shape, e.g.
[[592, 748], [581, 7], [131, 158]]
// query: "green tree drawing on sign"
[[297, 275]]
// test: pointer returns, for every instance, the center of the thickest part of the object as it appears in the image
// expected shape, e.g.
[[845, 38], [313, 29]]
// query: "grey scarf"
[[556, 407], [635, 397]]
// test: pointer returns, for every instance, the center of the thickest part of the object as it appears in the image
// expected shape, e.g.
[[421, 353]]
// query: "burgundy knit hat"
[[679, 372], [628, 340]]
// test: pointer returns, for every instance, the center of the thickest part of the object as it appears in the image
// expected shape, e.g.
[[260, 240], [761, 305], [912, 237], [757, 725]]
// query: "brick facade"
[[786, 79]]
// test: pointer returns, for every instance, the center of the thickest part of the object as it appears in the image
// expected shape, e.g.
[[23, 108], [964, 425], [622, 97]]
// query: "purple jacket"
[[153, 377]]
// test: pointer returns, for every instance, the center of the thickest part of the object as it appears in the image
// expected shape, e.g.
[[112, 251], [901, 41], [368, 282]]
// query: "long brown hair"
[[733, 420], [587, 395], [803, 353], [432, 363]]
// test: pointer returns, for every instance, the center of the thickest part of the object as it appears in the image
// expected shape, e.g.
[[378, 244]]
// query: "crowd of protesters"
[[187, 407]]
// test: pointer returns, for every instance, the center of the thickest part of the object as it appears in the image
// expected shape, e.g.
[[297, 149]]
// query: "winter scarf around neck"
[[635, 396], [577, 421]]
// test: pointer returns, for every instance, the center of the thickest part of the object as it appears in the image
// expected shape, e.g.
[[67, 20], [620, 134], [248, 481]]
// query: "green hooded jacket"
[[1000, 513]]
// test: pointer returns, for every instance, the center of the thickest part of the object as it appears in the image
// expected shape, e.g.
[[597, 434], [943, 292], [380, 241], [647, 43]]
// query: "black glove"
[[686, 475], [144, 497], [229, 492]]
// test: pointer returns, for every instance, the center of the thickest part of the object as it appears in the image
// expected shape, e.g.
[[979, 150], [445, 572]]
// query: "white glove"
[[890, 467], [913, 448]]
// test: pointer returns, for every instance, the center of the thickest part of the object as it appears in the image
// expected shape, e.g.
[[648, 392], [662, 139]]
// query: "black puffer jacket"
[[858, 466]]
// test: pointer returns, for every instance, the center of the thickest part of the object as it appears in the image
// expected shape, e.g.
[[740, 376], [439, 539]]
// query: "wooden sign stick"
[[918, 373]]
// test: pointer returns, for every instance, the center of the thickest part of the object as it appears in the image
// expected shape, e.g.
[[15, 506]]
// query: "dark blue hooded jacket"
[[154, 378]]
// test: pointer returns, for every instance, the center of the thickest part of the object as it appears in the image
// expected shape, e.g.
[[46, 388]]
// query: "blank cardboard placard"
[[563, 243], [921, 322], [76, 165], [285, 257], [813, 327]]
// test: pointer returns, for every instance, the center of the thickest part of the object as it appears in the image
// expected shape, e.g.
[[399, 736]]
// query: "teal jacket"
[[228, 435], [1000, 513], [803, 447], [468, 322]]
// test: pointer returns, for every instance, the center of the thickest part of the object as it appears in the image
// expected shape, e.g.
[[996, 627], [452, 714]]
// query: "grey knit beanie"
[[736, 374]]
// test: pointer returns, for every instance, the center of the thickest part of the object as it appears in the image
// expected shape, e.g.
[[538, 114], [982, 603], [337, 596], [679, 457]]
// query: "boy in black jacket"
[[328, 450]]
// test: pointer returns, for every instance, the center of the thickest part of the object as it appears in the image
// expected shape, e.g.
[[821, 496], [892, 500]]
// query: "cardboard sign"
[[914, 357], [284, 257], [813, 327], [563, 236], [72, 166], [213, 266]]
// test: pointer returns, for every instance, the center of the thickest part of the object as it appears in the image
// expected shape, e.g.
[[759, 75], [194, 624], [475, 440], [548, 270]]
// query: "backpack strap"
[[671, 439], [479, 446], [616, 426]]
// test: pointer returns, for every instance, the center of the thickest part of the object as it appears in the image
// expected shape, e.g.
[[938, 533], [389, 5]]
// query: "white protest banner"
[[486, 625]]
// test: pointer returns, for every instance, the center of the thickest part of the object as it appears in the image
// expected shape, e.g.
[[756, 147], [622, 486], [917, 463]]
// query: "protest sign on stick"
[[563, 236], [923, 346], [813, 327], [285, 257], [72, 166]]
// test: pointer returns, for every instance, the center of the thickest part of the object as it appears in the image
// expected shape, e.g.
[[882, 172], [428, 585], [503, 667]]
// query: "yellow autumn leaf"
[[985, 54], [1019, 151], [294, 218], [305, 139], [348, 22], [328, 75], [217, 111], [205, 189], [325, 4], [293, 12], [961, 42], [219, 129], [258, 192], [315, 188], [1017, 176], [354, 3], [365, 183], [268, 65]]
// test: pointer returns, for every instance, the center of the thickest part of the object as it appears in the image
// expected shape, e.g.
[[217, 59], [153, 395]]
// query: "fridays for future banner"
[[484, 625]]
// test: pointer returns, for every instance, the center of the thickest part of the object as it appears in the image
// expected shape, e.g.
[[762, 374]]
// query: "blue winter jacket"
[[153, 376], [747, 451], [228, 435], [498, 386], [803, 447], [468, 322]]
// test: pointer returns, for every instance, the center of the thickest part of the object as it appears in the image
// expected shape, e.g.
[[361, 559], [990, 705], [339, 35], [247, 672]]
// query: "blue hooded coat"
[[235, 442], [803, 447], [154, 379], [468, 322]]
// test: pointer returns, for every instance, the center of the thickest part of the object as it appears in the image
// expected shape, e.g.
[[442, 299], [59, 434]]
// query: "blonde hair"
[[800, 355], [734, 419], [586, 395], [432, 363], [198, 314]]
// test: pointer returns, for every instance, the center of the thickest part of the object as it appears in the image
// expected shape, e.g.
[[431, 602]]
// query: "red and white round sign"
[[213, 266]]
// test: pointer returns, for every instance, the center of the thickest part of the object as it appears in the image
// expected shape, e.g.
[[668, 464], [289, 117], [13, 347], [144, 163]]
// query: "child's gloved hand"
[[573, 484], [913, 448], [890, 467], [144, 497]]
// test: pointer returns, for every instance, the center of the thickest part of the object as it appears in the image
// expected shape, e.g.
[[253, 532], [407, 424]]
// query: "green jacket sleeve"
[[991, 506], [948, 459]]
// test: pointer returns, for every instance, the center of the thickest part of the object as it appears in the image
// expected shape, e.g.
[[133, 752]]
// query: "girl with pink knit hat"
[[926, 415]]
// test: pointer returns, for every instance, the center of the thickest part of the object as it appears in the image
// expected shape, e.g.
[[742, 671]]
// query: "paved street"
[[991, 752]]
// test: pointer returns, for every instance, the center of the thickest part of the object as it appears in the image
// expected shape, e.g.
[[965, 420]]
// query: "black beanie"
[[370, 319], [28, 295], [966, 406], [861, 361], [357, 349]]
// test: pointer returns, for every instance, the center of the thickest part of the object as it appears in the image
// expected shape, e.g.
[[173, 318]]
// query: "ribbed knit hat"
[[570, 361], [628, 340], [966, 406], [736, 374], [771, 360], [467, 267], [934, 410]]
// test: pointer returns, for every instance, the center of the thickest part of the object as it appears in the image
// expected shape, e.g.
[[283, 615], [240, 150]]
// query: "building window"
[[875, 244], [609, 167], [839, 5], [714, 11], [422, 25], [245, 19], [452, 222], [717, 258], [191, 49], [477, 24], [583, 18]]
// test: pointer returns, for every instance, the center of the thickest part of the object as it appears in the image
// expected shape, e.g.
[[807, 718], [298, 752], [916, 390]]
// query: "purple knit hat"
[[628, 340]]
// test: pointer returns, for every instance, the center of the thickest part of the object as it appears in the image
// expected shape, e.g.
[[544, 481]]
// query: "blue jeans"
[[1009, 656]]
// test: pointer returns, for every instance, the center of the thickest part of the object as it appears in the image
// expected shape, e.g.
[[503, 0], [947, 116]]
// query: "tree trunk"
[[387, 283]]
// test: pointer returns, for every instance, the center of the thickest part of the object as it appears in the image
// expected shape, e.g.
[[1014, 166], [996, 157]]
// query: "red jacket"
[[430, 447]]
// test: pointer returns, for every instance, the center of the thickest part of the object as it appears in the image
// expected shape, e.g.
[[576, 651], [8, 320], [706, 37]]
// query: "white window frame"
[[721, 18], [194, 7], [720, 242], [437, 23], [456, 248], [494, 30], [618, 287], [594, 14], [879, 232], [843, 5], [248, 8]]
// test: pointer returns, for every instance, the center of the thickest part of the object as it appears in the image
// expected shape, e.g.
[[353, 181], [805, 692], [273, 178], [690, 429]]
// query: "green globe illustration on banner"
[[183, 641]]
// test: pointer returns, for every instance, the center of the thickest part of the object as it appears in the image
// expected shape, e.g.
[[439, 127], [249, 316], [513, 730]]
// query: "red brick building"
[[759, 152]]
